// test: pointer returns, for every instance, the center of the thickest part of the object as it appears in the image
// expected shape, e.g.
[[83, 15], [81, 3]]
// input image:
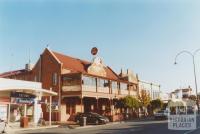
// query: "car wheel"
[[97, 122]]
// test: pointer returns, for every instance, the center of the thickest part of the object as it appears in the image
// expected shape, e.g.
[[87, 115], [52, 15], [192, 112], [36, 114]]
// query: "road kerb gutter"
[[93, 126], [34, 128]]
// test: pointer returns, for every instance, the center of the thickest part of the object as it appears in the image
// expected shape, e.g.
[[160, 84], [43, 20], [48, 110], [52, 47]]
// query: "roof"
[[78, 65], [15, 72]]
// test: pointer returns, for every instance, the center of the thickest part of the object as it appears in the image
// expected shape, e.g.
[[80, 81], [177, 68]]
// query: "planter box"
[[24, 122]]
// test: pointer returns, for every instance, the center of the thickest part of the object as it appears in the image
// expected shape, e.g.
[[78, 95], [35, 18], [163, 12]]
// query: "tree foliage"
[[193, 97], [156, 104], [131, 102], [144, 98]]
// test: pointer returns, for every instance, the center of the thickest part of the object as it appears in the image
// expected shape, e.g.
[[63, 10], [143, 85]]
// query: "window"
[[55, 79], [89, 81], [114, 85], [103, 83], [35, 78], [71, 80], [123, 86]]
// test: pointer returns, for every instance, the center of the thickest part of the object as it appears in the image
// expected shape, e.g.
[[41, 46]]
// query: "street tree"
[[144, 98], [193, 97], [156, 104]]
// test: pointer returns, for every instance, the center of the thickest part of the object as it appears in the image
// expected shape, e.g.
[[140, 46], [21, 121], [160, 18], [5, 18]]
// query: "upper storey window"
[[114, 85], [55, 79], [71, 80], [89, 81], [123, 86], [102, 82]]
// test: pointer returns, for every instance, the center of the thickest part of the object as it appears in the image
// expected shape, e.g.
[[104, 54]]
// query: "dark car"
[[91, 118]]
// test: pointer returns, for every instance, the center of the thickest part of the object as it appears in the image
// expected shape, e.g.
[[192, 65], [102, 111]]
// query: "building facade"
[[82, 86], [181, 93], [152, 89]]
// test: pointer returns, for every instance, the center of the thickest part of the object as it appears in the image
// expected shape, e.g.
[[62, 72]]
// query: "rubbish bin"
[[83, 121], [24, 122]]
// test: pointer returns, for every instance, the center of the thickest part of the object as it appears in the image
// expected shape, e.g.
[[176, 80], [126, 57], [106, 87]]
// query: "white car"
[[162, 114]]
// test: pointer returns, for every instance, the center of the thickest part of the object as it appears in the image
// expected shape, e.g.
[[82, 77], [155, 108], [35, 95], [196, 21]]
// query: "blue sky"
[[143, 35]]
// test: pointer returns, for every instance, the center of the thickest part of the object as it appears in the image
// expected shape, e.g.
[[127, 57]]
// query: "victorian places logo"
[[182, 115]]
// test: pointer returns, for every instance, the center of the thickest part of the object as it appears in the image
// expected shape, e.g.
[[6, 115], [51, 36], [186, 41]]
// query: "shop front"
[[21, 101]]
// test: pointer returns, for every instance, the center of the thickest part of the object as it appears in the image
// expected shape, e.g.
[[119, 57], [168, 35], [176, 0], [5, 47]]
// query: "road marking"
[[192, 131]]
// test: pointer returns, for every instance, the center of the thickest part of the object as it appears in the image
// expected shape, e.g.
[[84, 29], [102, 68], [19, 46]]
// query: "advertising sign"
[[182, 122], [22, 100], [21, 95], [3, 112]]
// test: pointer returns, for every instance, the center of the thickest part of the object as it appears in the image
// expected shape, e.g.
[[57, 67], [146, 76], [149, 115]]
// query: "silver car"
[[162, 114]]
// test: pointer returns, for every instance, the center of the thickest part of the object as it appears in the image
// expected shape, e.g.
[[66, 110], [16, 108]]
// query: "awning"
[[9, 85]]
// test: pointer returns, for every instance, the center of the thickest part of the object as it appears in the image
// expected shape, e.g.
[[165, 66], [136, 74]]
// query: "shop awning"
[[10, 85]]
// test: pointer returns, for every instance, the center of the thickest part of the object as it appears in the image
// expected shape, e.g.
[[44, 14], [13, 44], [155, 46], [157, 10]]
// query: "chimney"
[[28, 67]]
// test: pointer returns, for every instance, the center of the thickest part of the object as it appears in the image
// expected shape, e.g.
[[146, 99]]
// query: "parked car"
[[162, 114], [91, 118]]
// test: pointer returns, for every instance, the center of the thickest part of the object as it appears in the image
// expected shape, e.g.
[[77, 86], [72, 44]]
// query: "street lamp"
[[194, 69]]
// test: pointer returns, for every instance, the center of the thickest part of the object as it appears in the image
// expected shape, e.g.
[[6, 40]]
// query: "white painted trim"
[[54, 56], [8, 85]]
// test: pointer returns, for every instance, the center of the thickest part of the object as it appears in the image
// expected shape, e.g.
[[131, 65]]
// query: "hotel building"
[[81, 86]]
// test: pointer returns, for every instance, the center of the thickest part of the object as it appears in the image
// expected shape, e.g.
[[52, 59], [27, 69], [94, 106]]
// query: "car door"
[[93, 118]]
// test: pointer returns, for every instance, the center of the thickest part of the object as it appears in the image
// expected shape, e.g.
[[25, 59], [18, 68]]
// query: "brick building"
[[82, 86]]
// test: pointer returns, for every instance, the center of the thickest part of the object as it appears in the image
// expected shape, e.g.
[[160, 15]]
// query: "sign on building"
[[3, 112]]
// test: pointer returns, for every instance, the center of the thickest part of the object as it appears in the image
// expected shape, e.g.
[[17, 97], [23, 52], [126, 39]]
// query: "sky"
[[141, 35]]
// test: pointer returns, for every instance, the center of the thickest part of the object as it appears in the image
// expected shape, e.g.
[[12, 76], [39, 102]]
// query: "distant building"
[[181, 93], [151, 88], [164, 97]]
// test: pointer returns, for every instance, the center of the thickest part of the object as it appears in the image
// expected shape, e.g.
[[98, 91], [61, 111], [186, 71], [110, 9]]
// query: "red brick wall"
[[49, 66], [43, 71]]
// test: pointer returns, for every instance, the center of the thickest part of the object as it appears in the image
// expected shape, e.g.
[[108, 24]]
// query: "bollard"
[[83, 121]]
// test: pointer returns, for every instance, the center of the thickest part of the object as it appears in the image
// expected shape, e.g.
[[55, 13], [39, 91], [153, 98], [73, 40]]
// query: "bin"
[[24, 122]]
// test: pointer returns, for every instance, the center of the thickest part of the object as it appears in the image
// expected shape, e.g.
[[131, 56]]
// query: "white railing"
[[133, 93], [115, 91], [88, 88], [103, 89], [71, 88], [124, 92]]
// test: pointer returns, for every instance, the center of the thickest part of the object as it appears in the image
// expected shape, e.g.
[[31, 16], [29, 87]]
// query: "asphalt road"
[[134, 127]]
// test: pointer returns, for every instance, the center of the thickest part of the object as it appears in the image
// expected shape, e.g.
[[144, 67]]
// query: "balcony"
[[103, 90], [88, 88], [124, 92], [71, 88], [115, 91], [133, 93]]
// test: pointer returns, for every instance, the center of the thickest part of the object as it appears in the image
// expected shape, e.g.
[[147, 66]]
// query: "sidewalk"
[[12, 128]]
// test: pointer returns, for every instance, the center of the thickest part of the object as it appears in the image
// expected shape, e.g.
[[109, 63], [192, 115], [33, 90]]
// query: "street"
[[132, 127]]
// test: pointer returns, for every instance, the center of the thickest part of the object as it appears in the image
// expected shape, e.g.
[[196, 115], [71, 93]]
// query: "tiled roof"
[[15, 72], [78, 65]]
